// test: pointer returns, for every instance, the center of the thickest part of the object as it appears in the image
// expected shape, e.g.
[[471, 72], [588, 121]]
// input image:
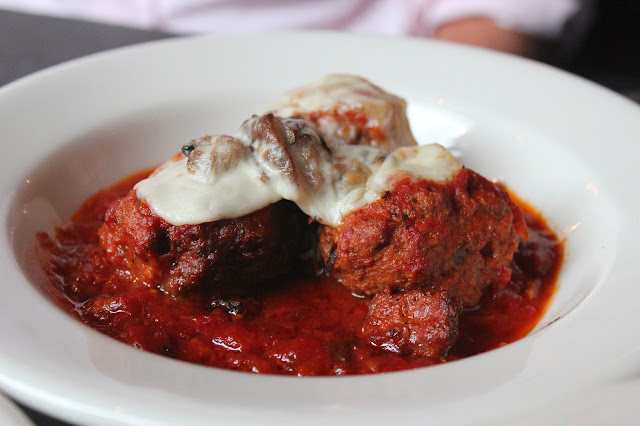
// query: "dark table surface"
[[29, 43]]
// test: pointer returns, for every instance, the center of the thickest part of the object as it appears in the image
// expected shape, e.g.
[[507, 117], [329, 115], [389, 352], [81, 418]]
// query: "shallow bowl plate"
[[562, 144]]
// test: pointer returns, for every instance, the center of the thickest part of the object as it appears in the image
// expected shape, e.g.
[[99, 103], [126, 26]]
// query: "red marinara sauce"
[[302, 324]]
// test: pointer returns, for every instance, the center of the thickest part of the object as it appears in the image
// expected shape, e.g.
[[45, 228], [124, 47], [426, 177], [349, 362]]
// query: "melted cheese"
[[179, 197], [316, 166], [331, 100], [336, 91], [430, 162]]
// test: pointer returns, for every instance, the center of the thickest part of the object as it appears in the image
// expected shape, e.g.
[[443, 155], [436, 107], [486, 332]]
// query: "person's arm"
[[548, 30], [483, 32]]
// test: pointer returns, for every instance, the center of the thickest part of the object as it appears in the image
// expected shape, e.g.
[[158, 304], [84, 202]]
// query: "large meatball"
[[458, 236], [417, 323], [224, 256], [350, 110]]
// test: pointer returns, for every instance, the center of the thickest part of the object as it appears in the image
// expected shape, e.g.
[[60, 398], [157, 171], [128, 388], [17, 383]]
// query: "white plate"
[[567, 146]]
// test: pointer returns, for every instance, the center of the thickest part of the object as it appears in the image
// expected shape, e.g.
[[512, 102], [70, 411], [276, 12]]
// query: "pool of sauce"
[[302, 324]]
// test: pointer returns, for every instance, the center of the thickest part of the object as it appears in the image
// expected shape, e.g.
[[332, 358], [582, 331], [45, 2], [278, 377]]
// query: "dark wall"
[[611, 53]]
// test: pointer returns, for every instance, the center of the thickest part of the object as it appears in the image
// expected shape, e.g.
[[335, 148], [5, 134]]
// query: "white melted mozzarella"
[[430, 162], [336, 91], [330, 100], [180, 198], [316, 161]]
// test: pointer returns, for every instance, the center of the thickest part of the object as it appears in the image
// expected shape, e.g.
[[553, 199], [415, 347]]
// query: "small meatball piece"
[[223, 256], [458, 236], [416, 323], [350, 110]]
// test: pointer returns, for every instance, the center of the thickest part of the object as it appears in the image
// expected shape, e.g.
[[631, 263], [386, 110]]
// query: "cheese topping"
[[181, 198], [349, 109], [326, 188], [298, 159]]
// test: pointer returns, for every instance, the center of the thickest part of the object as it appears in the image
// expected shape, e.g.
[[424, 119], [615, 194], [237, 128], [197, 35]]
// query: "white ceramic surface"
[[567, 146]]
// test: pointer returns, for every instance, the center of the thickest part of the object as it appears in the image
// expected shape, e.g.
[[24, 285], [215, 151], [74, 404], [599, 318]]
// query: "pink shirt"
[[546, 18]]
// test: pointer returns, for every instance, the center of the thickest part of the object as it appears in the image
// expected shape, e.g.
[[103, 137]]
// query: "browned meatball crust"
[[223, 256], [458, 236], [417, 323]]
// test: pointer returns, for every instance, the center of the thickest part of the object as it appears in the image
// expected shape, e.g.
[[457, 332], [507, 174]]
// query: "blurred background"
[[37, 33], [610, 53]]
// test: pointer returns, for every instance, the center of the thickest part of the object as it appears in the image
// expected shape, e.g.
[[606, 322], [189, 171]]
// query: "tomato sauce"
[[301, 324]]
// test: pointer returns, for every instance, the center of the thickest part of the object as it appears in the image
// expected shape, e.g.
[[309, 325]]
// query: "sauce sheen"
[[302, 324]]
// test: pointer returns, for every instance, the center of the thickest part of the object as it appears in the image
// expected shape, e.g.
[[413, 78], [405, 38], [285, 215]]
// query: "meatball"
[[417, 323], [350, 110], [223, 257], [459, 235]]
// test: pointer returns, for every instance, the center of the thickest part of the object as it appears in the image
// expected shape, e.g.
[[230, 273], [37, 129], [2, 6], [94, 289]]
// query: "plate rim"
[[13, 88]]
